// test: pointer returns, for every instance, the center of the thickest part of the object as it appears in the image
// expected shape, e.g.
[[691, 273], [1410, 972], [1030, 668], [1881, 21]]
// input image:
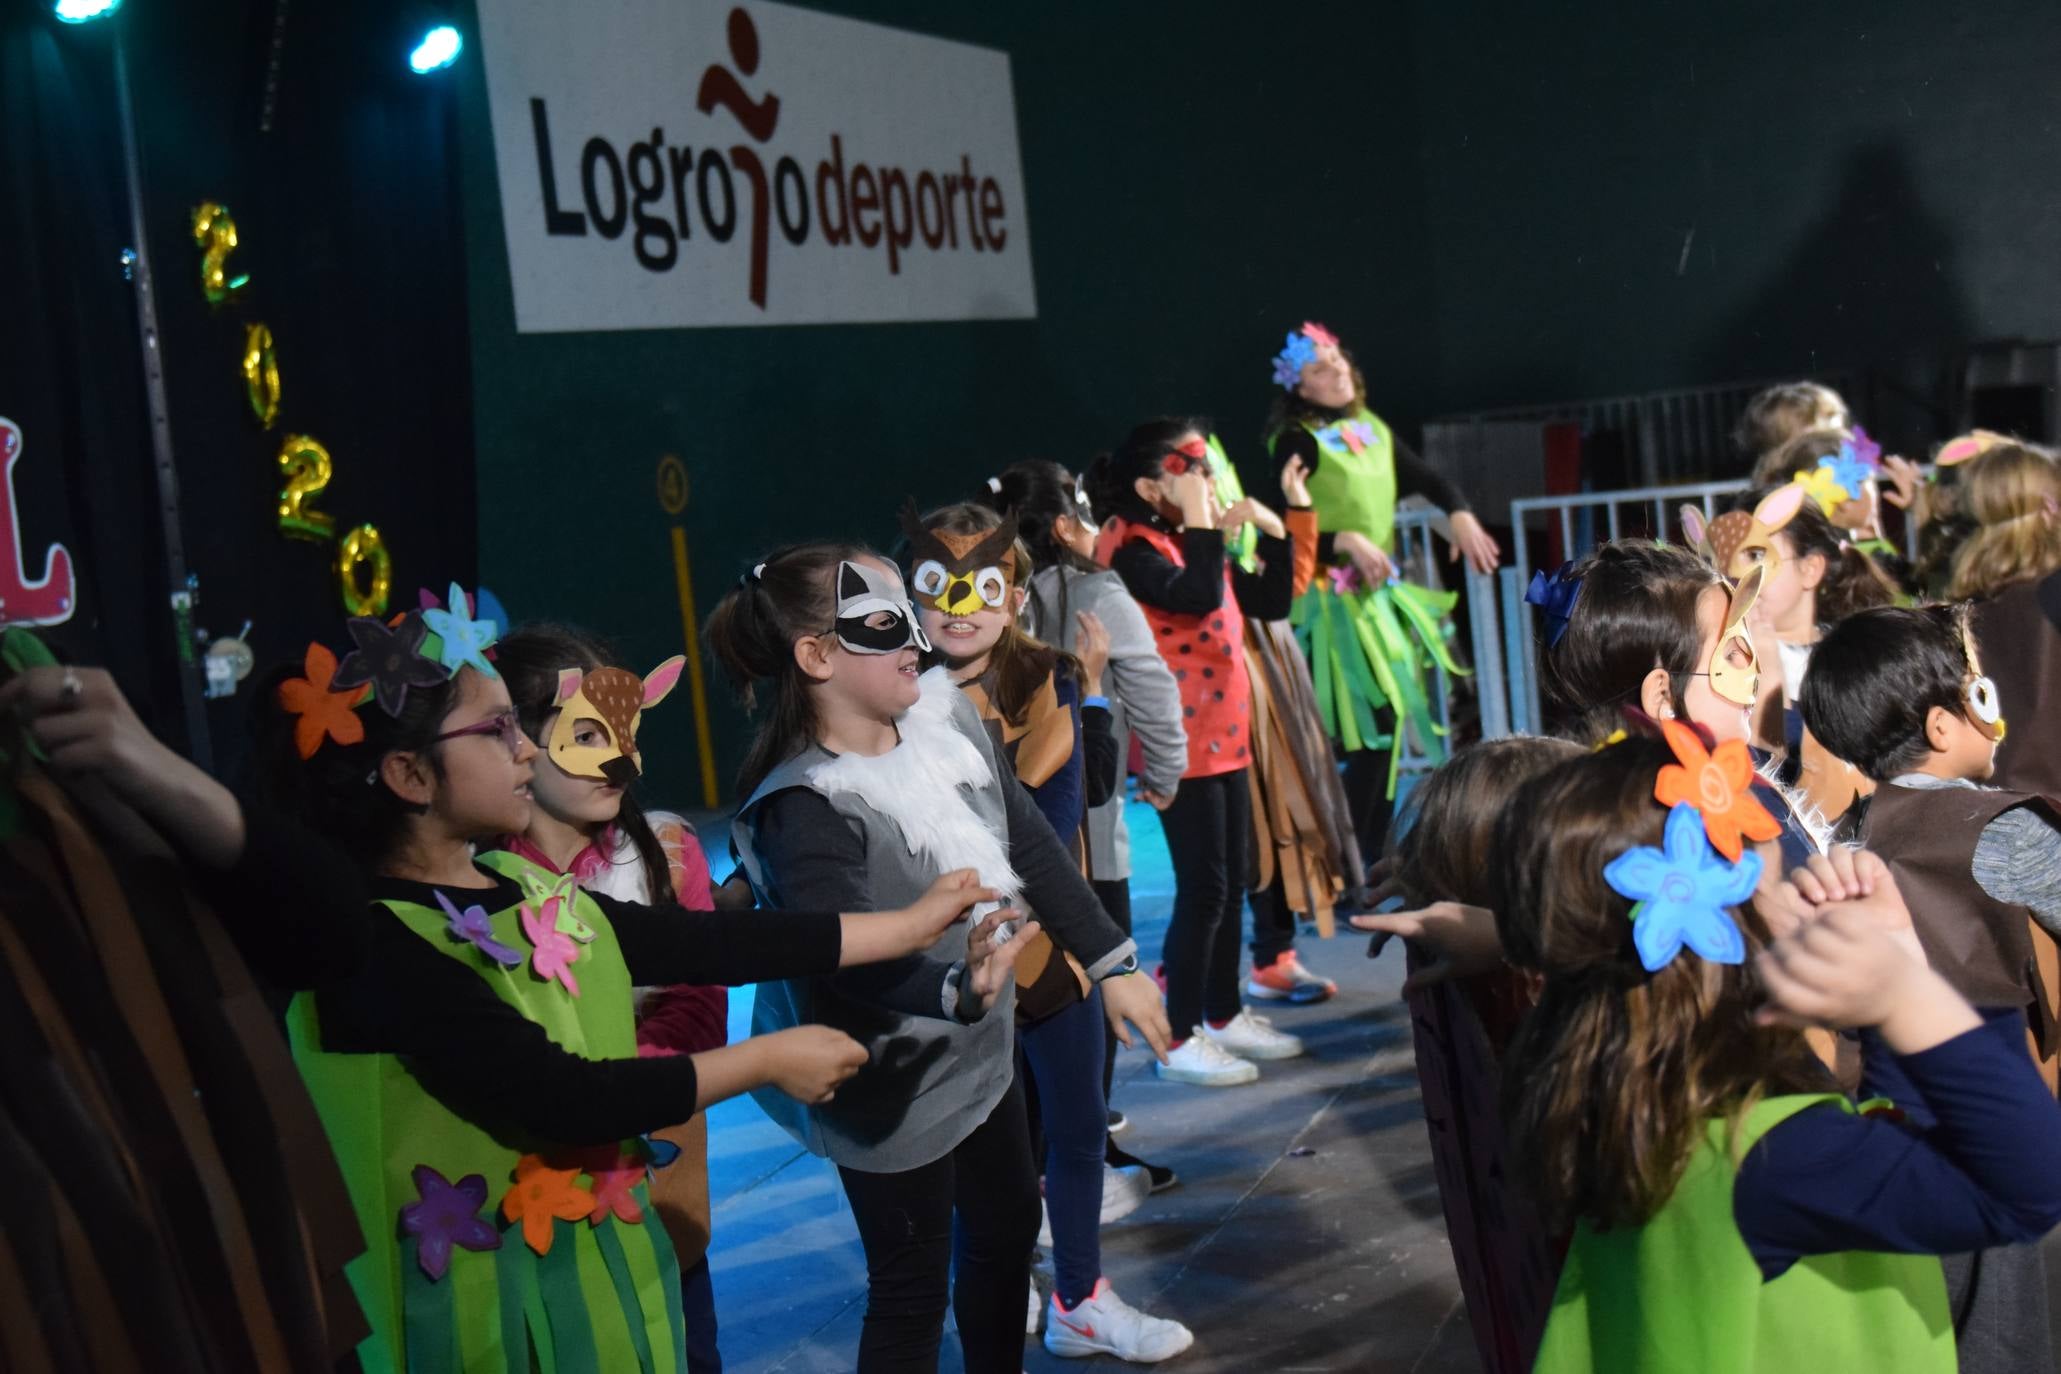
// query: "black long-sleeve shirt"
[[293, 902], [491, 1064], [1196, 587]]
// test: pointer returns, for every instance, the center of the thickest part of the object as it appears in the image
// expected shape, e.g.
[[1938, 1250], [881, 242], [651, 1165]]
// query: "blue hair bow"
[[1555, 596]]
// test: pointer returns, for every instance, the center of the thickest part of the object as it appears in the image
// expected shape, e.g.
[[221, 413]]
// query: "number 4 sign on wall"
[[51, 599]]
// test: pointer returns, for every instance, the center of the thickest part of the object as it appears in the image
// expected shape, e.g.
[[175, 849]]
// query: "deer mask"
[[616, 699]]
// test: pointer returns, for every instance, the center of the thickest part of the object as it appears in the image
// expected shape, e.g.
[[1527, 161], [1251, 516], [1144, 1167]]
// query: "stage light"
[[79, 11], [439, 48]]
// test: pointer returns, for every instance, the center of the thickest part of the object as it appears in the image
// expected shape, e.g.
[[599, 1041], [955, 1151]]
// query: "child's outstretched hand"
[[1845, 969], [872, 937], [809, 1062], [1135, 998], [1091, 647], [1858, 878], [991, 963], [1295, 483], [1462, 940]]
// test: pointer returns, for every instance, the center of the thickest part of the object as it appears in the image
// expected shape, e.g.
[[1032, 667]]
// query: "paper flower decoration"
[[462, 641], [613, 1182], [1849, 471], [661, 1151], [1555, 596], [321, 712], [1866, 449], [390, 658], [1354, 436], [1345, 580], [1719, 784], [447, 1215], [553, 952], [540, 1195], [1317, 333], [1681, 893], [476, 928], [1288, 363], [1821, 484], [554, 902]]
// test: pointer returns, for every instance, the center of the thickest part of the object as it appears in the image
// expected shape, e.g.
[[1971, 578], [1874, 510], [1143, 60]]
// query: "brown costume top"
[[2018, 633]]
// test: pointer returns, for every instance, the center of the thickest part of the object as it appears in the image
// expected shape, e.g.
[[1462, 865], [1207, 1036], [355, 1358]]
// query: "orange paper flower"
[[1717, 783], [320, 711], [540, 1194]]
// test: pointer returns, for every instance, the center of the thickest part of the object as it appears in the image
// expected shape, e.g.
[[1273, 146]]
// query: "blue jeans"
[[1064, 1052]]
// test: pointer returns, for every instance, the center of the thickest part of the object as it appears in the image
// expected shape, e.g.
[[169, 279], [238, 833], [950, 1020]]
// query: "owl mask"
[[959, 574]]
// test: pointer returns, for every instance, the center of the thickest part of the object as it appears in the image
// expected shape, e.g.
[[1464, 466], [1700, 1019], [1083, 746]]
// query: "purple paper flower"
[[1866, 449], [476, 928], [1288, 363], [1682, 893], [447, 1215], [1345, 580], [390, 659]]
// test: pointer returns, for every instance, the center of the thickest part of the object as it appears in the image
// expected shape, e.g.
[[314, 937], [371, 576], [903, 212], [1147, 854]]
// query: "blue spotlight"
[[79, 11], [439, 48]]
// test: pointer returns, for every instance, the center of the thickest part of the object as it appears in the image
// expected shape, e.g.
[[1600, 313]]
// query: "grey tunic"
[[1142, 696], [929, 1079]]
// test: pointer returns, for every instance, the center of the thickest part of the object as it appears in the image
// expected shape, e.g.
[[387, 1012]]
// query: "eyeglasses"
[[504, 726]]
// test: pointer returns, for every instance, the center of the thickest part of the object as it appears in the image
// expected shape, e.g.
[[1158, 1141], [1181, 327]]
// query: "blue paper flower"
[[1288, 363], [476, 928], [1682, 893], [1555, 596], [1849, 471], [463, 639]]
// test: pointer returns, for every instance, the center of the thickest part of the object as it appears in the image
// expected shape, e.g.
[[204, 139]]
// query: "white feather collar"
[[921, 783]]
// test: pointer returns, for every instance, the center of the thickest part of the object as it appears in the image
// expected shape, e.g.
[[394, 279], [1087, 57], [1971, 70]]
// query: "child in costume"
[[1655, 628], [1461, 1021], [478, 1077], [1305, 853], [1057, 525], [588, 824], [1048, 718], [1369, 635], [1779, 413], [1732, 1211], [1901, 695], [1161, 536], [2011, 568], [864, 782]]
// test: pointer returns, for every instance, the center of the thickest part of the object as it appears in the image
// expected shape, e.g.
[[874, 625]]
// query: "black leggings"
[[1366, 795], [1208, 832], [1116, 900], [961, 1227], [1273, 923]]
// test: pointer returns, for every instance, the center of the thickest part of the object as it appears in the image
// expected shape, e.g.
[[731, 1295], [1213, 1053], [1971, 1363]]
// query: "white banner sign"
[[680, 163]]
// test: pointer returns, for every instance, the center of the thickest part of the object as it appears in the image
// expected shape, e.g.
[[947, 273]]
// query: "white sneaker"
[[1105, 1324], [1253, 1037], [1122, 1191], [1045, 1224], [1200, 1059], [1037, 1309]]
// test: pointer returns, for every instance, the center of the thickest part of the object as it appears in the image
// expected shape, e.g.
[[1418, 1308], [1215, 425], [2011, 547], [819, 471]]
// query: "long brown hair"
[[1445, 837], [529, 660], [1613, 1080], [1019, 664], [2013, 493], [1636, 611], [1853, 581], [1799, 454], [752, 634]]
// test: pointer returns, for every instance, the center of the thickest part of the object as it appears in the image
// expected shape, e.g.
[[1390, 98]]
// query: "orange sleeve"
[[1302, 535]]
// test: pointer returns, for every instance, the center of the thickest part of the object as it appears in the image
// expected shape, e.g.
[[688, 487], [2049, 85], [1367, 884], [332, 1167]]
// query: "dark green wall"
[[1190, 199]]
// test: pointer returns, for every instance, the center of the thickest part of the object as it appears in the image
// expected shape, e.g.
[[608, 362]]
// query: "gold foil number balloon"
[[304, 463], [214, 233], [261, 373], [363, 546]]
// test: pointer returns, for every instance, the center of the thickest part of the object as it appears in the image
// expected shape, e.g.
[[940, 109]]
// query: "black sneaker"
[[1162, 1177]]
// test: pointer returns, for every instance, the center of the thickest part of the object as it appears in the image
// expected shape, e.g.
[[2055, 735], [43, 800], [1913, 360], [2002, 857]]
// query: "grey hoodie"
[[1142, 696]]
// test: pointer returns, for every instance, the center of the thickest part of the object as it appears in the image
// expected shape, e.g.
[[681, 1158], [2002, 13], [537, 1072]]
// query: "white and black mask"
[[873, 612]]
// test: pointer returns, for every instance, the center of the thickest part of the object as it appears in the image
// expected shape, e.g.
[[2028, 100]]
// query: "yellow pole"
[[702, 737]]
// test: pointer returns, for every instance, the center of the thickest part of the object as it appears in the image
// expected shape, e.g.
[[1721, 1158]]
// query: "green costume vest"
[[1353, 487], [604, 1294], [1682, 1292], [1243, 548]]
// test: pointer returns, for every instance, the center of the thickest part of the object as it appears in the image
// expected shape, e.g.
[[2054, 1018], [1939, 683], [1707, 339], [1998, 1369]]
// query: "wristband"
[[1096, 700]]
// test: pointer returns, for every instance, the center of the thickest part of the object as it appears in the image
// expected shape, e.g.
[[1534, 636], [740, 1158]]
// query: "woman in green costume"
[[478, 1078], [1370, 636]]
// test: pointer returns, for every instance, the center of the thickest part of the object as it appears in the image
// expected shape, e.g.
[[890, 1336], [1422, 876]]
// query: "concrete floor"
[[1305, 1234]]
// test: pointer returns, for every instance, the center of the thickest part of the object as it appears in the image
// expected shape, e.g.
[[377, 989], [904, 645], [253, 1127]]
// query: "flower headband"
[[422, 648], [1555, 596], [1841, 477], [1682, 892], [1301, 349]]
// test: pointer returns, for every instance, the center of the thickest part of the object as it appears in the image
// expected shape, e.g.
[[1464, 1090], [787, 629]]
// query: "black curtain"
[[347, 213]]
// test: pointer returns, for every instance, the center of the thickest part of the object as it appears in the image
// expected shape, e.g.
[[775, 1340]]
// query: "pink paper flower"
[[554, 951]]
